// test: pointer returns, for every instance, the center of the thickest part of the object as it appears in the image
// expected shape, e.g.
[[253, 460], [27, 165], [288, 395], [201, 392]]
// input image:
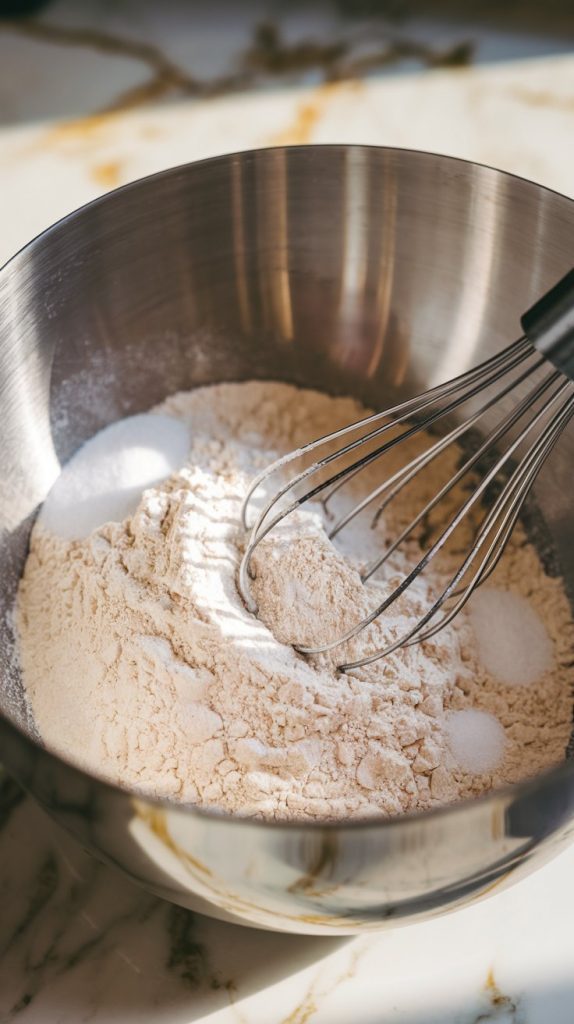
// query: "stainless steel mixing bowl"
[[370, 271]]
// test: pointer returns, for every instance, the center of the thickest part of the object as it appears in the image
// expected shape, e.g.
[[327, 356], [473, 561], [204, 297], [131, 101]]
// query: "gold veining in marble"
[[107, 174], [500, 1005], [308, 115], [544, 98]]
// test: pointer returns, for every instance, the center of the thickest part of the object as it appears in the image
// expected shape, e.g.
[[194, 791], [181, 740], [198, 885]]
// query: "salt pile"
[[476, 740], [513, 643], [105, 479]]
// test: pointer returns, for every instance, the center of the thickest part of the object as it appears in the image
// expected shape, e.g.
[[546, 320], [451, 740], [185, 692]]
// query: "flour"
[[142, 665]]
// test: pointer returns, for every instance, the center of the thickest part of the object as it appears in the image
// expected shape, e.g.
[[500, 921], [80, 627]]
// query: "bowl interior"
[[366, 271]]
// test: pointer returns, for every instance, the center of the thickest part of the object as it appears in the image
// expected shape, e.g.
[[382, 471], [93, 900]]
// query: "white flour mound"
[[142, 665]]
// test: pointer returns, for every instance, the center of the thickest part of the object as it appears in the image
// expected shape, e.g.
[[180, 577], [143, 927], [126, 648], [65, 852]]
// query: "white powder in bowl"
[[142, 665], [104, 481], [513, 642], [476, 740]]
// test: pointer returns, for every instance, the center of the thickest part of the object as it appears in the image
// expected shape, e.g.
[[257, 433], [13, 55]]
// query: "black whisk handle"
[[549, 324]]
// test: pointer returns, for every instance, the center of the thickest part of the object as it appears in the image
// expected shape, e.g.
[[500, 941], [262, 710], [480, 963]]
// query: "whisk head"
[[507, 457]]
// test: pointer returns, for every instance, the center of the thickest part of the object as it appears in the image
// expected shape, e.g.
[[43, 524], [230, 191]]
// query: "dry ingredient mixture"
[[142, 665]]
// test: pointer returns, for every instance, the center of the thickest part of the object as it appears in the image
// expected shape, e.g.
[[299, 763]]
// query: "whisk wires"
[[531, 429]]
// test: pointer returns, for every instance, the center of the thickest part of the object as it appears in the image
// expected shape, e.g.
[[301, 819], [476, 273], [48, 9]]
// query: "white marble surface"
[[518, 116], [107, 48], [515, 113], [77, 943]]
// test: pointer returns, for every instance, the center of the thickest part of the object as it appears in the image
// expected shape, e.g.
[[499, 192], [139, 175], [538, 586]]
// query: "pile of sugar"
[[141, 663], [513, 644], [105, 480]]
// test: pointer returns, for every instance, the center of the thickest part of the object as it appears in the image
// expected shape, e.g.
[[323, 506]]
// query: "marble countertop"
[[76, 117], [79, 945], [91, 97]]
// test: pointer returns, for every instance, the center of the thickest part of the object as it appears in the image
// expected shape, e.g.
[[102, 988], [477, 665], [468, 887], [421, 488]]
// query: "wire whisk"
[[511, 453]]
